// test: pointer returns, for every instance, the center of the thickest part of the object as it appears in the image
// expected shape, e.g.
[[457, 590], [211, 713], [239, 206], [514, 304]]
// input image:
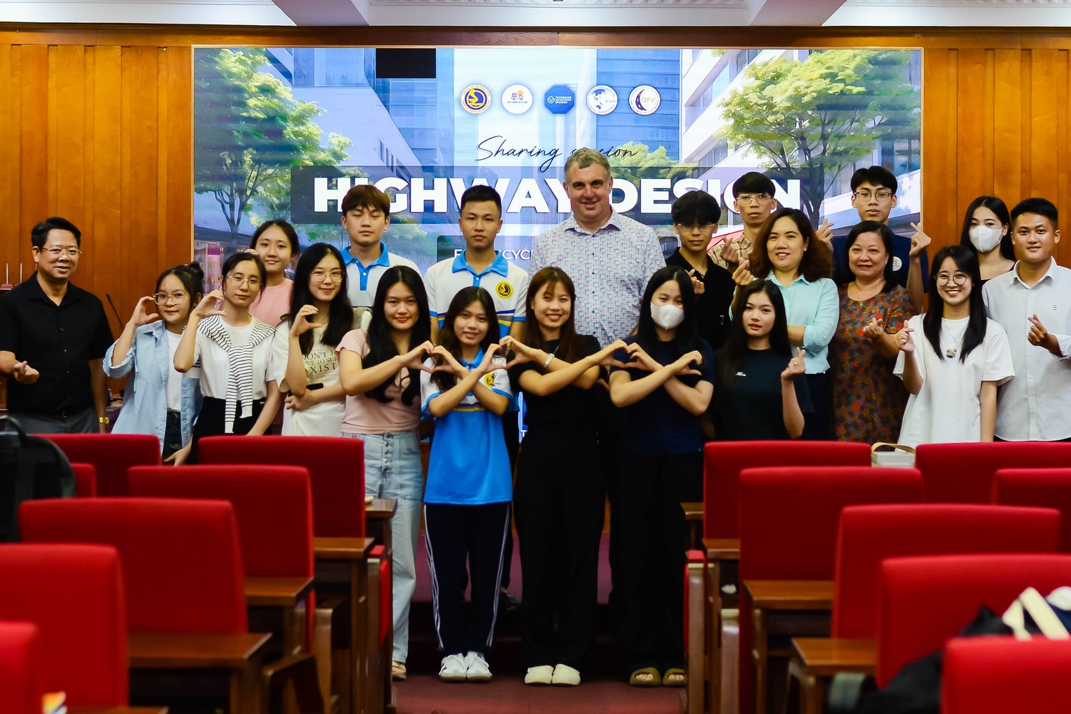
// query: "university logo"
[[602, 99], [489, 379], [475, 99], [517, 99], [504, 289], [644, 100]]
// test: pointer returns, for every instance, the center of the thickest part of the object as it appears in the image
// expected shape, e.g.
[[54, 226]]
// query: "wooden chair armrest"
[[298, 671], [790, 594], [194, 650], [693, 510], [825, 657], [342, 548], [116, 710], [381, 508], [722, 548], [276, 592]]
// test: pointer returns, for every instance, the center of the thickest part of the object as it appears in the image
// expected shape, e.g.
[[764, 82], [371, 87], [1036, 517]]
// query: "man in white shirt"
[[365, 216], [1033, 304]]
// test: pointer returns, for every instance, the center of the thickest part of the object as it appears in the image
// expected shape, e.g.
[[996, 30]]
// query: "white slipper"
[[566, 676], [539, 675]]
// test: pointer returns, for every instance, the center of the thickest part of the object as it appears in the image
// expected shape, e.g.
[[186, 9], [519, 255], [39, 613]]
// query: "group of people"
[[627, 363]]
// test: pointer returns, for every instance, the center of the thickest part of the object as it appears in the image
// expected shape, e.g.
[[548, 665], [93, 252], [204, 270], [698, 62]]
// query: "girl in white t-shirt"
[[232, 351], [378, 369], [304, 362], [953, 372]]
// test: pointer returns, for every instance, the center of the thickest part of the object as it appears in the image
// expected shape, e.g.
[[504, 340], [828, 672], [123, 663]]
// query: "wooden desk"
[[345, 560], [116, 710], [239, 653], [719, 553], [769, 597], [378, 515], [277, 592], [814, 663], [282, 599], [693, 520]]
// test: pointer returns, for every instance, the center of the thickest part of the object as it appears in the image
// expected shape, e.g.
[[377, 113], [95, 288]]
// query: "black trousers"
[[212, 421], [454, 534], [650, 608], [558, 504], [511, 431], [610, 429], [817, 423]]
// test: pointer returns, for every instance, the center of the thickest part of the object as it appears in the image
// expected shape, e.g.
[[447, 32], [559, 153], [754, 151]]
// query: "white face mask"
[[985, 238], [667, 316]]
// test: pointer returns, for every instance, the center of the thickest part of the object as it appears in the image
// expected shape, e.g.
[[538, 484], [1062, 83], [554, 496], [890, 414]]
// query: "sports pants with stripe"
[[455, 534]]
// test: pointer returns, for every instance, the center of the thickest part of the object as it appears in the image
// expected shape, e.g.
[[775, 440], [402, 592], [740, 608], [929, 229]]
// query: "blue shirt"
[[506, 282], [901, 259], [468, 465], [364, 279], [145, 397], [816, 307]]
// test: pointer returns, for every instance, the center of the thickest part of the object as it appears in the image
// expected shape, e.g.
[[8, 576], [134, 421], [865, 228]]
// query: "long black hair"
[[1000, 210], [886, 236], [448, 338], [570, 346], [732, 355], [340, 312], [381, 345], [966, 259], [686, 336]]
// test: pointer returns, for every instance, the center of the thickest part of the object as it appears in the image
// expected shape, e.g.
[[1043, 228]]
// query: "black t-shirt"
[[713, 304], [656, 423], [58, 341], [569, 408], [750, 407]]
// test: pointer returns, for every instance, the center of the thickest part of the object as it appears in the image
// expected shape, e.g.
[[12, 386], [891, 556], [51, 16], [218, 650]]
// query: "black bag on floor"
[[30, 467]]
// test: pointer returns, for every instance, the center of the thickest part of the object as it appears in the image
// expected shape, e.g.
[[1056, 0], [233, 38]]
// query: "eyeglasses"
[[956, 279], [882, 195], [321, 275], [752, 197], [57, 252], [251, 281], [164, 298]]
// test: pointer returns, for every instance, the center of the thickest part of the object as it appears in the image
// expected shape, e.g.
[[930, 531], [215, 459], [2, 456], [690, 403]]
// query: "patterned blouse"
[[868, 401]]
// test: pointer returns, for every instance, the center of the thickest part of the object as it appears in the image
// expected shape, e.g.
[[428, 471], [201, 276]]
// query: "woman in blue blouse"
[[158, 400], [790, 255]]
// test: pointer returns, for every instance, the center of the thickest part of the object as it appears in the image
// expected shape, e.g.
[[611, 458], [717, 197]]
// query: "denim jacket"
[[145, 398]]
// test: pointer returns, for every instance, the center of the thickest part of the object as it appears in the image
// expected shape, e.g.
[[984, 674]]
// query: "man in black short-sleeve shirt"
[[53, 337]]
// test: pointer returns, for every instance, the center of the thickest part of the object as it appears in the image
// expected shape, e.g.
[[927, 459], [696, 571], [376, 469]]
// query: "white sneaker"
[[566, 676], [453, 668], [476, 668], [539, 675]]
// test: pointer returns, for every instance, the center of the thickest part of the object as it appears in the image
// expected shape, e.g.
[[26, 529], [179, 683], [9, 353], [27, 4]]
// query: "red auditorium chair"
[[75, 595], [273, 505], [85, 480], [22, 668], [925, 601], [111, 455], [1050, 488], [182, 565], [870, 534], [722, 463], [788, 539], [336, 472], [997, 675], [963, 473]]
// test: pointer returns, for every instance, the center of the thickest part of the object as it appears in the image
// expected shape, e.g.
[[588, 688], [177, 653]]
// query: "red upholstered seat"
[[1037, 487], [963, 473], [22, 668], [724, 460], [182, 559], [336, 470], [75, 596], [997, 675], [870, 534], [85, 480], [111, 454], [925, 601]]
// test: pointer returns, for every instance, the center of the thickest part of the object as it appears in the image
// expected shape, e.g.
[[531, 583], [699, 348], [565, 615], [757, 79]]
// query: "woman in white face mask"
[[665, 385], [987, 229]]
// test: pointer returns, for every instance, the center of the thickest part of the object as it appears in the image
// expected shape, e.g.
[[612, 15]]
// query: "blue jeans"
[[392, 469]]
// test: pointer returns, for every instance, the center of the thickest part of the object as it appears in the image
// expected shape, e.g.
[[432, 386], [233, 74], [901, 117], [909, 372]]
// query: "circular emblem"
[[644, 99], [517, 99], [602, 99], [475, 99], [489, 379], [504, 289], [897, 263]]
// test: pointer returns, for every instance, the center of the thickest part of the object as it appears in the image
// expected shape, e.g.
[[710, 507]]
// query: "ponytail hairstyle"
[[686, 336], [448, 338], [732, 355], [966, 259], [381, 345], [570, 347], [192, 278], [340, 312]]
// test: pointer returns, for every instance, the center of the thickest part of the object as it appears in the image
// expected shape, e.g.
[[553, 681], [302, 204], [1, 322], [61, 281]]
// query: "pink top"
[[368, 415], [272, 303]]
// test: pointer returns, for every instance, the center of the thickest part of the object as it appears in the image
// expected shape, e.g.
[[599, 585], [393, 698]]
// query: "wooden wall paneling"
[[107, 195], [178, 199], [1007, 125], [1043, 122], [9, 162], [970, 134], [1062, 196], [68, 105], [986, 103], [33, 142]]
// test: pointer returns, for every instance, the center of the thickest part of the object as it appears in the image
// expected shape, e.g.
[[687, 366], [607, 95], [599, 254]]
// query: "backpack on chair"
[[30, 467]]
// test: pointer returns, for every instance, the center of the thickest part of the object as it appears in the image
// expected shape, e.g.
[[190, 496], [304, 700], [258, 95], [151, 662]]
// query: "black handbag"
[[31, 467]]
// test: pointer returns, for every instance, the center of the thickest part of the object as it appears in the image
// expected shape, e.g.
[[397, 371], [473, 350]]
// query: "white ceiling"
[[562, 14]]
